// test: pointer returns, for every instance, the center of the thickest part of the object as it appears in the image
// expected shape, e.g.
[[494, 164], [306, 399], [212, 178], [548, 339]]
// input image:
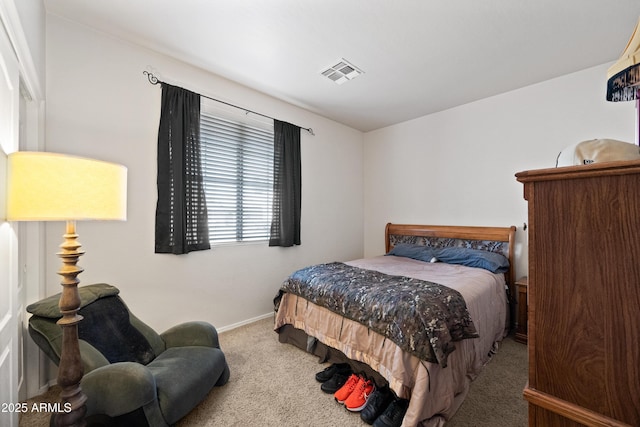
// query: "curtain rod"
[[154, 81]]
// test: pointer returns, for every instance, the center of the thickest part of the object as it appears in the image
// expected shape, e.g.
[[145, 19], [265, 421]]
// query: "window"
[[237, 166]]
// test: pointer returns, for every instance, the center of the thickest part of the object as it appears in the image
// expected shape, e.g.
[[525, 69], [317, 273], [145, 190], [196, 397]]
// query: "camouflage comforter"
[[422, 318]]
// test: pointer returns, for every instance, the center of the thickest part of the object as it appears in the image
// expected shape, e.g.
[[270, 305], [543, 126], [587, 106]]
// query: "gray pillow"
[[48, 307]]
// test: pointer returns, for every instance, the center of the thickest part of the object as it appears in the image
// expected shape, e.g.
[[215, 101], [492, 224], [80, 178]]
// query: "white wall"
[[31, 14], [457, 167], [100, 105], [454, 167]]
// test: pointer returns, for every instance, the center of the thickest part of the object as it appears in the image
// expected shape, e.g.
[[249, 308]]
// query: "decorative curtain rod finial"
[[152, 79]]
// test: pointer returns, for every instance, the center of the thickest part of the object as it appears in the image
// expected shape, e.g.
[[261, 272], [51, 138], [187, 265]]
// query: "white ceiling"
[[418, 56]]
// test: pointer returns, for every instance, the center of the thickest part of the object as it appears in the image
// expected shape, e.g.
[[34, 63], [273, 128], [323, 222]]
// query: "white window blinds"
[[237, 164]]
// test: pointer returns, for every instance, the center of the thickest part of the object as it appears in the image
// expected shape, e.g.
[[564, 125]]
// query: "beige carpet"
[[273, 384]]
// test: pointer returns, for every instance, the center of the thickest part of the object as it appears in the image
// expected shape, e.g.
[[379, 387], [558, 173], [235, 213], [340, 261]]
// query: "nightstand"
[[521, 292]]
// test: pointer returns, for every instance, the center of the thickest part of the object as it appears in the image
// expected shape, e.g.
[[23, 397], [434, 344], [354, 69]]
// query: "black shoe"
[[334, 383], [378, 401], [393, 415], [326, 375]]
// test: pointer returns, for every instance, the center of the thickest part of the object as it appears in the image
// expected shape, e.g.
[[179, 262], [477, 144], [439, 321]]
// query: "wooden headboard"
[[493, 239]]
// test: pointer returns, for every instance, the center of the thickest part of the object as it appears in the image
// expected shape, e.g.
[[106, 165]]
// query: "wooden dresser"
[[584, 295]]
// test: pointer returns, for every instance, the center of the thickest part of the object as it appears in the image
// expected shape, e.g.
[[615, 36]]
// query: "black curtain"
[[181, 210], [287, 185]]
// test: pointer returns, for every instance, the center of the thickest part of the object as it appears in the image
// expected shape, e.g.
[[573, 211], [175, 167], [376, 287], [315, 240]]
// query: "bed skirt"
[[287, 334], [434, 393]]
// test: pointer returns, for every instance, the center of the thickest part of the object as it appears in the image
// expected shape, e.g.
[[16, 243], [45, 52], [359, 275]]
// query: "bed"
[[434, 377]]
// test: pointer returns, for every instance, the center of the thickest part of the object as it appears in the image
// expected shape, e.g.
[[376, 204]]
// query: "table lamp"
[[623, 77], [45, 186]]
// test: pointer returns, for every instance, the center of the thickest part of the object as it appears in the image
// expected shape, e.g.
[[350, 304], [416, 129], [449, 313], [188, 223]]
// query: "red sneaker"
[[345, 391], [358, 399]]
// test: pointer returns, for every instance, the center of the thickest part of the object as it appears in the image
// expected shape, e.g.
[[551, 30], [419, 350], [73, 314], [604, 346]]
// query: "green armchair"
[[133, 375]]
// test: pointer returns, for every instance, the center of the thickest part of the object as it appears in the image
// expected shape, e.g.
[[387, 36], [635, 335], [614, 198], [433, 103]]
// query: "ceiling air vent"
[[342, 72]]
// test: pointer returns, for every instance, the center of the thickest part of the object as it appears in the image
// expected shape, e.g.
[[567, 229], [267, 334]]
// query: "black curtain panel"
[[287, 185], [181, 210]]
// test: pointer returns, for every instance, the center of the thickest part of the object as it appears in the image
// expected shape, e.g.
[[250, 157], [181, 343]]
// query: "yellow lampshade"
[[56, 187]]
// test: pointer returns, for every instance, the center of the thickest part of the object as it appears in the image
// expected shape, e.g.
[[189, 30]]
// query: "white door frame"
[[9, 307], [27, 260]]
